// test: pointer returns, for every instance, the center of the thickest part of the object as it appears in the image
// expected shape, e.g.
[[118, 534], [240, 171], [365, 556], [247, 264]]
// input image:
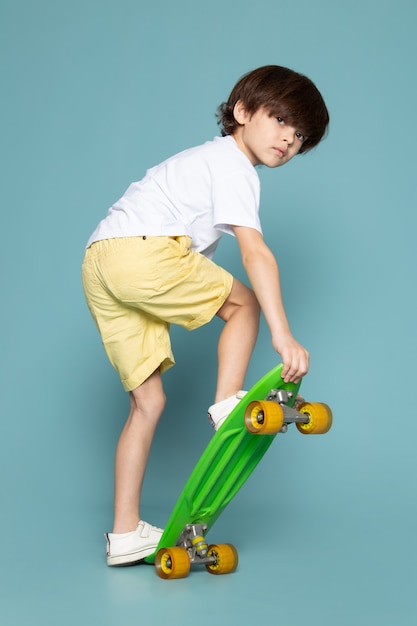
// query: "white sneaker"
[[129, 548], [218, 412]]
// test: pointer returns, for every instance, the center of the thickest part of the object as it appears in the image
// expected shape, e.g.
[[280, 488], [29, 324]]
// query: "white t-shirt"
[[200, 192]]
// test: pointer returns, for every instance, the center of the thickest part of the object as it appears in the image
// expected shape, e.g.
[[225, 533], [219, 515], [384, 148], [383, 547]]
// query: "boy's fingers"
[[294, 369], [289, 373]]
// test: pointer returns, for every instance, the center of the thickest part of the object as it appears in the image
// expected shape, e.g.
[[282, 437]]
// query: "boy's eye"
[[280, 120], [301, 137]]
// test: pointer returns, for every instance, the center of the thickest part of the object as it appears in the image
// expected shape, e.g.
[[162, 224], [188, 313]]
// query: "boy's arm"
[[263, 273]]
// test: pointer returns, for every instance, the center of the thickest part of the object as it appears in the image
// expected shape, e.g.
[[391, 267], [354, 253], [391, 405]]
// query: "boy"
[[148, 264]]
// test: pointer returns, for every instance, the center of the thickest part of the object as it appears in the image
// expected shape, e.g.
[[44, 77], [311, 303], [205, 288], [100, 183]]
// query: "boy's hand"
[[295, 359]]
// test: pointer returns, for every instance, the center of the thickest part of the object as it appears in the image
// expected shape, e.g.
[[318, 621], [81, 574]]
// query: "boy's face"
[[264, 139]]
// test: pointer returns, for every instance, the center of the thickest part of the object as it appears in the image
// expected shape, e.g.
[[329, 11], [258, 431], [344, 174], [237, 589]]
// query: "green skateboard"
[[229, 459]]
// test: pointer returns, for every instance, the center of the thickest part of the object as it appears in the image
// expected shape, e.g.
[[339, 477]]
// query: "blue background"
[[93, 93]]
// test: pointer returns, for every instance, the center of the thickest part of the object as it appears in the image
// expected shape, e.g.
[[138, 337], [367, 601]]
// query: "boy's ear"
[[240, 113]]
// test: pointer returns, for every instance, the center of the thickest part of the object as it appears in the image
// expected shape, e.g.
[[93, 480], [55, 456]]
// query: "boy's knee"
[[155, 401], [155, 404], [253, 303], [149, 399], [246, 298], [241, 298]]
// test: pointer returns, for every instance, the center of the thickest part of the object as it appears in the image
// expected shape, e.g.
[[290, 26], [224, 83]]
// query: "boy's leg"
[[241, 313], [146, 405]]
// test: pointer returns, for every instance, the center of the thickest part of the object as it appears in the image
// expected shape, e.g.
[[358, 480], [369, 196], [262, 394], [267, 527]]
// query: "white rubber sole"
[[119, 560]]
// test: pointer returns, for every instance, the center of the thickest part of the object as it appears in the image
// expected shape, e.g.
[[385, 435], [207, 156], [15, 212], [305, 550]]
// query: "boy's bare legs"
[[237, 340], [146, 405], [236, 343]]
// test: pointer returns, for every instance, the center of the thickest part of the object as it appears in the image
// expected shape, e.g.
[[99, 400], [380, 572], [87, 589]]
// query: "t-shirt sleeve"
[[236, 202]]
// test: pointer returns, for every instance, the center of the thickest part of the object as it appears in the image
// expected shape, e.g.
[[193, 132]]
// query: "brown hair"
[[281, 92]]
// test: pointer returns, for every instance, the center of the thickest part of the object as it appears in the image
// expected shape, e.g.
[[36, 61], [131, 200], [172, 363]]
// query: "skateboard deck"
[[228, 460]]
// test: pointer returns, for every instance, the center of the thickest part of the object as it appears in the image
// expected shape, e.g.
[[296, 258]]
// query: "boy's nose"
[[289, 135]]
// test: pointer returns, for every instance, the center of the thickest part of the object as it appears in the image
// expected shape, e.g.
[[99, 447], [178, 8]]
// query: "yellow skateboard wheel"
[[172, 563], [264, 417], [320, 421], [226, 559]]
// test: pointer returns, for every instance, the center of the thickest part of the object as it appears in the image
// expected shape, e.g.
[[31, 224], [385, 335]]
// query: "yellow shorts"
[[137, 286]]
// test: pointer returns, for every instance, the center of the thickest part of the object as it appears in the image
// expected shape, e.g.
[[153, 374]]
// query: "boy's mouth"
[[281, 153]]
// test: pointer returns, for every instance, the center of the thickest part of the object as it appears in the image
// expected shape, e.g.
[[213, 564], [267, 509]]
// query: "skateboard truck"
[[193, 540], [291, 415], [273, 414], [192, 549]]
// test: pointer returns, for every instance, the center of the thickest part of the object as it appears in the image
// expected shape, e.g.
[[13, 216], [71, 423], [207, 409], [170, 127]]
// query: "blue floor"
[[299, 564]]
